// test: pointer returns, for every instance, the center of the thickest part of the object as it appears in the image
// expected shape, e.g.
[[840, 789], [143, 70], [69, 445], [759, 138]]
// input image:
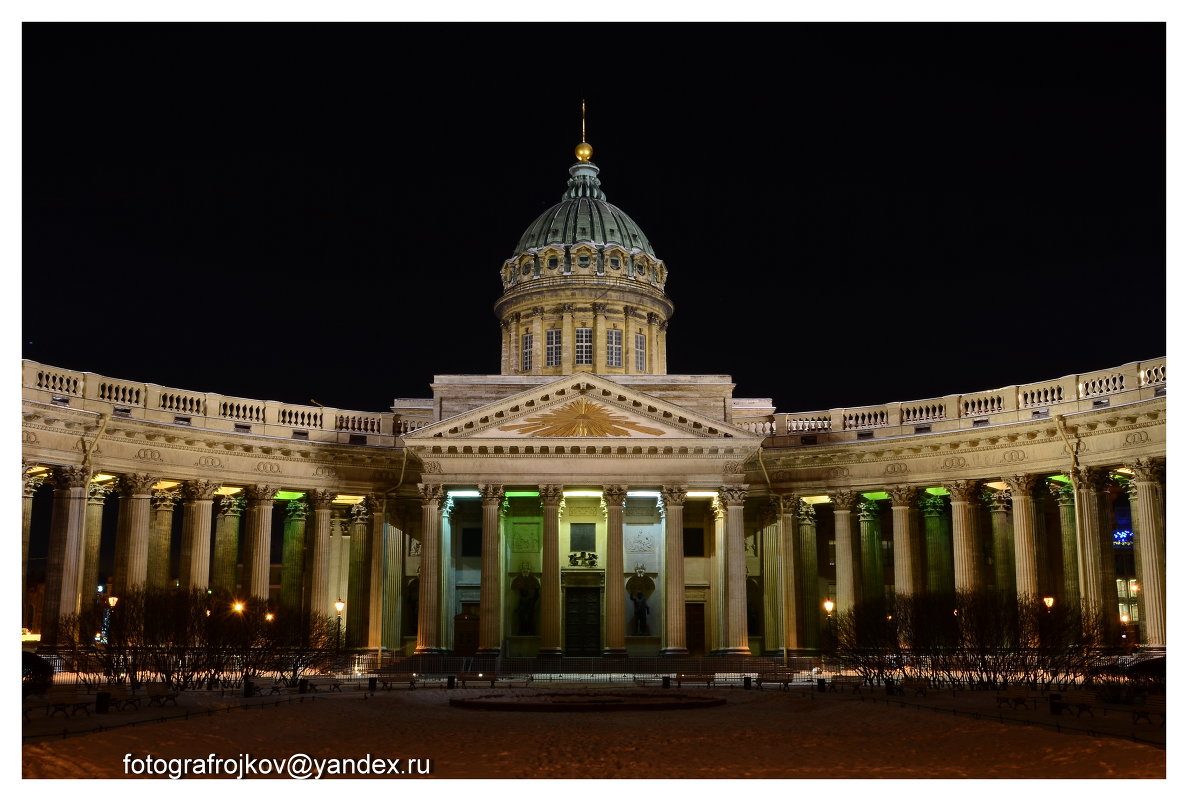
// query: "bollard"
[[820, 685], [449, 682], [371, 683], [746, 682], [666, 682]]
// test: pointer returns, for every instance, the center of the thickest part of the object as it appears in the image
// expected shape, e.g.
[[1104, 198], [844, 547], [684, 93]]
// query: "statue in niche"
[[641, 615]]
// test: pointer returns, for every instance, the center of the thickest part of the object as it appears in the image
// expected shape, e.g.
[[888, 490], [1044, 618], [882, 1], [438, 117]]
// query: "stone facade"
[[584, 501]]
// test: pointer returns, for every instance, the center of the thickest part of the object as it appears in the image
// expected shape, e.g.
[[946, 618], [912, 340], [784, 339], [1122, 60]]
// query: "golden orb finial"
[[583, 151]]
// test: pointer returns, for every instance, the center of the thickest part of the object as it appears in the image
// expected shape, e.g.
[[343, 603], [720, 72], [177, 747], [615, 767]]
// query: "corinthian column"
[[550, 572], [293, 556], [490, 583], [847, 558], [810, 580], [226, 547], [428, 609], [790, 572], [1096, 543], [872, 549], [1066, 502], [966, 555], [375, 596], [131, 558], [615, 621], [62, 565], [938, 548], [88, 576], [674, 571], [29, 485], [195, 552], [1023, 521], [1146, 509], [1004, 541], [903, 540], [735, 635], [359, 577], [259, 539], [160, 537], [319, 580]]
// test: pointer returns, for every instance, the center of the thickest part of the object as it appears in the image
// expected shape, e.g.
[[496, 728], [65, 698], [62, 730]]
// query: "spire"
[[583, 151], [583, 181]]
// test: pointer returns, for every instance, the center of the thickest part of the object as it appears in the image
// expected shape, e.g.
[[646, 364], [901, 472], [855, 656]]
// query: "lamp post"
[[338, 606], [829, 625]]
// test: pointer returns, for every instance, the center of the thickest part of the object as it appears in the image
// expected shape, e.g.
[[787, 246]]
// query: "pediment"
[[580, 407]]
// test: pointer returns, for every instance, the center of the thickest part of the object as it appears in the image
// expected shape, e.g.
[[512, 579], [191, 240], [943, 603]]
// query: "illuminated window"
[[526, 352], [614, 348], [584, 346], [641, 352], [553, 347]]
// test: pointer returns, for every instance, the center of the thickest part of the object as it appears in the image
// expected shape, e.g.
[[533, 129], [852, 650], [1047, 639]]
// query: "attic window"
[[553, 263], [583, 261], [614, 264]]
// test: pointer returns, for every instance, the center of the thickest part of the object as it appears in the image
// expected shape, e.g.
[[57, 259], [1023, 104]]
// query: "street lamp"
[[338, 606], [1048, 601], [112, 600], [237, 606]]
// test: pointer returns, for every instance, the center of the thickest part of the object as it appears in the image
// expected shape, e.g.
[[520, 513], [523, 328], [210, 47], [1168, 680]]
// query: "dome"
[[583, 215]]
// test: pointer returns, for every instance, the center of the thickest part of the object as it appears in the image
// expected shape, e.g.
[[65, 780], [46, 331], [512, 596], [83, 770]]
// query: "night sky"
[[851, 213]]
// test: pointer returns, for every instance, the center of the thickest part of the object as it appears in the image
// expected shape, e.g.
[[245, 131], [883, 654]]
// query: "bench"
[[160, 694], [1079, 700], [708, 678], [125, 700], [853, 682], [1015, 697], [387, 682], [916, 685], [775, 678], [1152, 703], [478, 678], [69, 706]]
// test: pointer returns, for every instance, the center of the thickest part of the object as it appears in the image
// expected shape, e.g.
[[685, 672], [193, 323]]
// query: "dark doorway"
[[466, 631], [695, 629], [583, 621]]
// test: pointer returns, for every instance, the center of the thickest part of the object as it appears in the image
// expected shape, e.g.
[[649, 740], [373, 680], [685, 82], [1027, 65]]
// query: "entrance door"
[[466, 631], [583, 621], [695, 629]]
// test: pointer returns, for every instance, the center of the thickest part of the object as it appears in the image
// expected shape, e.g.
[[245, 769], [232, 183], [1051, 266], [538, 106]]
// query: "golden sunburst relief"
[[580, 418]]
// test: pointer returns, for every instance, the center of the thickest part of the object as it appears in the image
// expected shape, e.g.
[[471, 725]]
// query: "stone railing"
[[1072, 393], [168, 405]]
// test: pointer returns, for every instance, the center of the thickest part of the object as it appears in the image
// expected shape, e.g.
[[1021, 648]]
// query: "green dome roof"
[[583, 215]]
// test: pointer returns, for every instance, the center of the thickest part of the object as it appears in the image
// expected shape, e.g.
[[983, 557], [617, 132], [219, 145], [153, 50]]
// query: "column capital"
[[260, 493], [674, 495], [1023, 484], [806, 512], [733, 494], [1091, 478], [198, 490], [231, 505], [492, 494], [164, 499], [902, 495], [614, 495], [321, 499], [931, 505], [963, 490], [999, 500], [138, 483], [431, 493], [843, 499], [31, 483], [1147, 470], [296, 510], [1064, 494], [769, 512], [68, 477], [867, 510], [599, 308], [360, 513], [97, 493], [550, 494]]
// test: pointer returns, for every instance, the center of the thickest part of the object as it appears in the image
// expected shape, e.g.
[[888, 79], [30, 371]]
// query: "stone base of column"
[[487, 652], [675, 652], [614, 653], [550, 653], [732, 652]]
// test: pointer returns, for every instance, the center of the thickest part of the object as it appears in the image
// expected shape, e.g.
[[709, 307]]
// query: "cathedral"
[[585, 501]]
